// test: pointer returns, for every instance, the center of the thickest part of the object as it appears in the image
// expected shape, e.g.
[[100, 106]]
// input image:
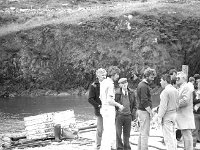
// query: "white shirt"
[[198, 94], [125, 92], [191, 86], [107, 91]]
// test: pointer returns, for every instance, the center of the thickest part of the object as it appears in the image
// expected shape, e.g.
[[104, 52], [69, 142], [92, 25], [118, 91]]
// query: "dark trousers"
[[195, 132], [123, 123]]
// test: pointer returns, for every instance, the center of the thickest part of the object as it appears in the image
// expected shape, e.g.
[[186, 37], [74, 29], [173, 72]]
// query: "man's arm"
[[111, 97], [134, 106], [185, 97], [163, 104], [92, 96], [144, 100]]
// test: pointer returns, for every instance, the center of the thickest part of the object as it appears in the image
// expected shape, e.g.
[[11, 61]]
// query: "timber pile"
[[39, 130]]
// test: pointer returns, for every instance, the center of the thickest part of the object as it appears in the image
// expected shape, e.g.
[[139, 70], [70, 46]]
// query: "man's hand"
[[121, 107], [196, 107], [159, 121], [150, 111], [151, 114]]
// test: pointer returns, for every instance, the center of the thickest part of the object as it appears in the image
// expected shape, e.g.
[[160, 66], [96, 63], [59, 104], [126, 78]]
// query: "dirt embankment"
[[60, 50]]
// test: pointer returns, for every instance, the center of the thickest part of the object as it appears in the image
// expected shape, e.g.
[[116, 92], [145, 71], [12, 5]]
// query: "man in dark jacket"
[[144, 108], [125, 97], [196, 110], [94, 99]]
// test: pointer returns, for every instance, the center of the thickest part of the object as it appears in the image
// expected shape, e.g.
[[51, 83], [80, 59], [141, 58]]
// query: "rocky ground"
[[85, 141]]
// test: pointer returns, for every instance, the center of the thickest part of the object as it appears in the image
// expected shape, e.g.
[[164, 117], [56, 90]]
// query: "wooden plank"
[[40, 131], [37, 122], [46, 116], [40, 136], [40, 126]]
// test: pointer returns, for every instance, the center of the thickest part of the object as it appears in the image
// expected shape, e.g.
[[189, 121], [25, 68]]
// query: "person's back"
[[172, 94]]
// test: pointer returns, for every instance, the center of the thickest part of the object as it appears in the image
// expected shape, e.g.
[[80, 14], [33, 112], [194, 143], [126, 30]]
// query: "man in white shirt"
[[167, 112], [107, 96]]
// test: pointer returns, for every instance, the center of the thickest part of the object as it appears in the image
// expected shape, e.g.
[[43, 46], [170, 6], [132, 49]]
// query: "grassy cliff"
[[64, 53]]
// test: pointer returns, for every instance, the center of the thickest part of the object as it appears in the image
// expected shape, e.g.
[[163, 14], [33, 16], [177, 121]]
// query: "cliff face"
[[60, 57]]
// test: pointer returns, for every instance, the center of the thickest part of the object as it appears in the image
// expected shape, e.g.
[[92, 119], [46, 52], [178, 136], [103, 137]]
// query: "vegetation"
[[65, 56]]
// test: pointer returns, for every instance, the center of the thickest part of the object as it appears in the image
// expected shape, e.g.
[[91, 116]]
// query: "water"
[[13, 110]]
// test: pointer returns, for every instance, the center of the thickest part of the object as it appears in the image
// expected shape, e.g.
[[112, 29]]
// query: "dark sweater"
[[132, 100], [143, 96], [93, 97]]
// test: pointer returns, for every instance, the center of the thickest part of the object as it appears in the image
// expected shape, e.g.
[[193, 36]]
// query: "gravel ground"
[[85, 141]]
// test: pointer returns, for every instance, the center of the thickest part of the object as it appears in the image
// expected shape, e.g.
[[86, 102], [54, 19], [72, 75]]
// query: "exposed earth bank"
[[58, 46]]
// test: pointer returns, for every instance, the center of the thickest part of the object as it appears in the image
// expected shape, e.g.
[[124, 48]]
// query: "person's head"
[[165, 80], [198, 84], [197, 79], [173, 73], [192, 80], [181, 78], [101, 74], [113, 73], [197, 76], [173, 81], [149, 74], [123, 83]]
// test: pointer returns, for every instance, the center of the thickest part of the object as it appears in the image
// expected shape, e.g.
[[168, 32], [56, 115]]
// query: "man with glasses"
[[185, 116], [126, 97]]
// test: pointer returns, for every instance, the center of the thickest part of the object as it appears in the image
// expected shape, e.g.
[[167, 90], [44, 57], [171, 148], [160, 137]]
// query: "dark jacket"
[[93, 97], [196, 101], [132, 100], [143, 96]]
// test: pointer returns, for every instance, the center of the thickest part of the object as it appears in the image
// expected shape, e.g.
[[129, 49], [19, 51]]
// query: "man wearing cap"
[[94, 99], [126, 97], [185, 116], [107, 96], [144, 107]]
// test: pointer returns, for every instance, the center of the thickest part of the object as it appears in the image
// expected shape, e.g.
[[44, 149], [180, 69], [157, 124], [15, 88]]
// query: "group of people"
[[116, 108]]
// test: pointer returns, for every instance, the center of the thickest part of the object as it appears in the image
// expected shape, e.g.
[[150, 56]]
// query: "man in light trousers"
[[185, 116], [144, 108], [167, 112], [107, 96]]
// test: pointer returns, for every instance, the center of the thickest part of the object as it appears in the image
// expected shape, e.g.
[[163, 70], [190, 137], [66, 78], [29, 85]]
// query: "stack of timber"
[[39, 129], [42, 126]]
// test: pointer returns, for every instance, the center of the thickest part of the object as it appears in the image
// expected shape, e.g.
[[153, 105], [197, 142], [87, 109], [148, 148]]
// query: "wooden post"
[[185, 69]]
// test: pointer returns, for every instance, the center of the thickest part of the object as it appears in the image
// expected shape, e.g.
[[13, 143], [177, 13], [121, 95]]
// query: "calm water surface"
[[13, 110]]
